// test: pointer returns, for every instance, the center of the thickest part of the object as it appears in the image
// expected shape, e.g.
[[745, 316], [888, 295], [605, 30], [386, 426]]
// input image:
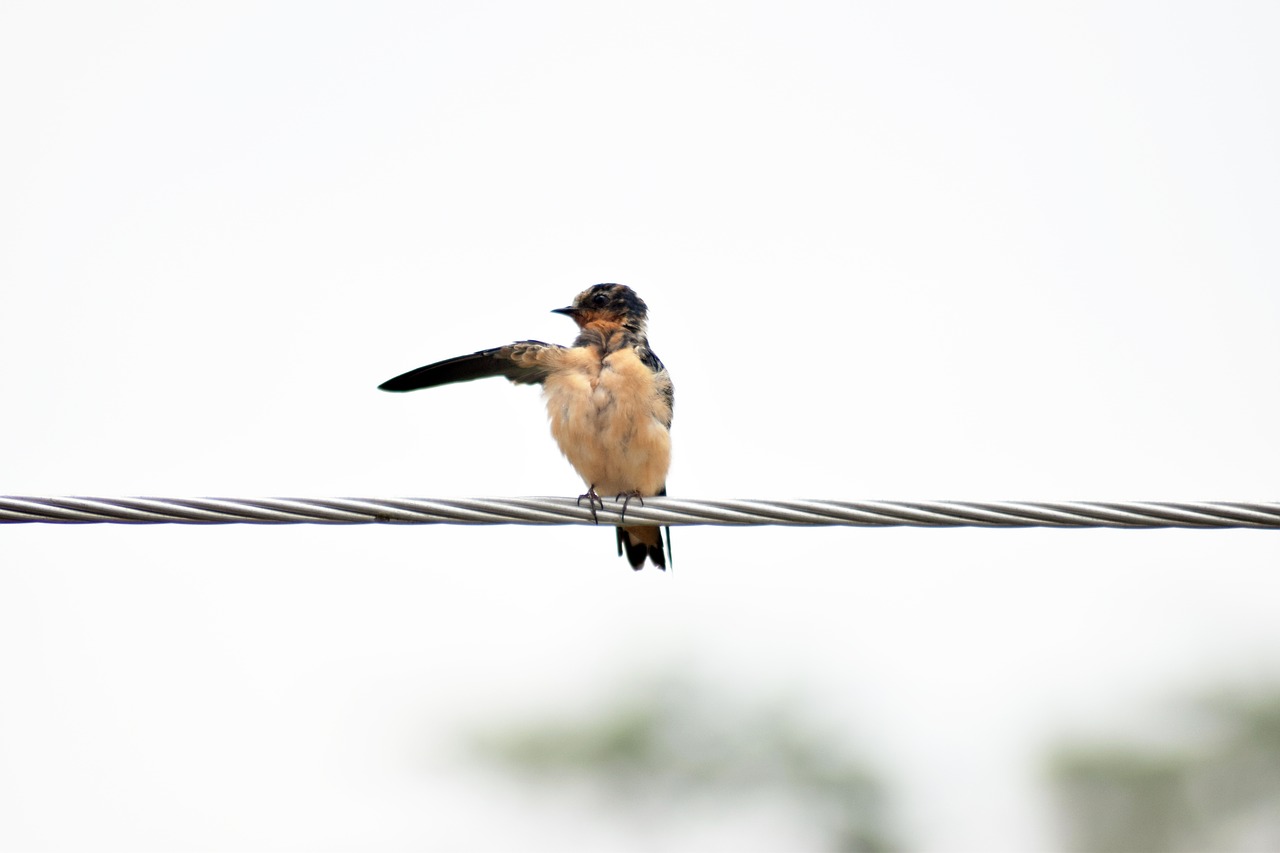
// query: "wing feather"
[[523, 362]]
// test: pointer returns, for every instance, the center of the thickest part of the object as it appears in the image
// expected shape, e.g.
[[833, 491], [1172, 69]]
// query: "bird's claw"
[[626, 497], [592, 501]]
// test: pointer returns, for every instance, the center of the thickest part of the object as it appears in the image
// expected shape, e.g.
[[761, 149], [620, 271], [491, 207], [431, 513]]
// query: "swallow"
[[608, 396]]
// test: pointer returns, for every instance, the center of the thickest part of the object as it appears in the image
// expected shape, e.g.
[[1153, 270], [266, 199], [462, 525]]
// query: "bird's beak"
[[568, 312]]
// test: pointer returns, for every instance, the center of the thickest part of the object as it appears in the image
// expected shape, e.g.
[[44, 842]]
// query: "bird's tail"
[[641, 542]]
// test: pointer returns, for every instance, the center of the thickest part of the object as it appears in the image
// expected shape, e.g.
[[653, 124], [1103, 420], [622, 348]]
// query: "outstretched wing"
[[524, 362]]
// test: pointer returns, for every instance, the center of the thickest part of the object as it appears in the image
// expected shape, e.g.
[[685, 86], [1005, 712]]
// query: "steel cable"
[[654, 511]]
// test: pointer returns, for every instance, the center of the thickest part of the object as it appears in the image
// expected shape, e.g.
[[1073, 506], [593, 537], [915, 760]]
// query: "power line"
[[654, 511]]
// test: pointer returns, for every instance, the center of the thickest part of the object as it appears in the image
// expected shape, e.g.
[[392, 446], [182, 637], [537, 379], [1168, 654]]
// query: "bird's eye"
[[600, 300]]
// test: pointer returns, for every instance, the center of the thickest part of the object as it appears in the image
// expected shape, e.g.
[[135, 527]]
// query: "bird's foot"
[[592, 500], [626, 497]]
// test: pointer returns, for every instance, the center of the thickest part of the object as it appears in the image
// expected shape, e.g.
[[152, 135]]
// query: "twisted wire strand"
[[654, 511]]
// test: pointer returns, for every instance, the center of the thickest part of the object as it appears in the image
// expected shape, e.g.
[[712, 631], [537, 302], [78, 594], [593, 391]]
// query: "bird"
[[609, 399]]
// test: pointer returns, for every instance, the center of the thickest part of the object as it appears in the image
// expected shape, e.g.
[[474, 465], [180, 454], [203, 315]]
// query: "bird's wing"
[[524, 362], [665, 389]]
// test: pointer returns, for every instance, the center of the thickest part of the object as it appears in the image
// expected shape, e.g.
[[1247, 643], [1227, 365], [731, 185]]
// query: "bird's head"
[[608, 303]]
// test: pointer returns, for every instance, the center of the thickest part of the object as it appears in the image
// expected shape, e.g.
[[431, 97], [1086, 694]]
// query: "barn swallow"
[[608, 396]]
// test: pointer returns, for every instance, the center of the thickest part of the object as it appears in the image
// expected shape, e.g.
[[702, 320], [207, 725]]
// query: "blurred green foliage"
[[1215, 787], [669, 741]]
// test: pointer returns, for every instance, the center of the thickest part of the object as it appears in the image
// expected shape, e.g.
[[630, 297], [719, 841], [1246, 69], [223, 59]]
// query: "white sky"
[[917, 251]]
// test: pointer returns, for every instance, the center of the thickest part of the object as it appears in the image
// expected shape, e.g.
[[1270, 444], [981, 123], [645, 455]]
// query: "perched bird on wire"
[[608, 396]]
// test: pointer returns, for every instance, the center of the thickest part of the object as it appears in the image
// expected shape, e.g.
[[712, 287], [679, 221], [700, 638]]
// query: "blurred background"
[[891, 251]]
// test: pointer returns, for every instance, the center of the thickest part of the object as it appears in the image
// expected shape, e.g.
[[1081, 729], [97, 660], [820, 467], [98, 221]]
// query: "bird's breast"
[[607, 415]]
